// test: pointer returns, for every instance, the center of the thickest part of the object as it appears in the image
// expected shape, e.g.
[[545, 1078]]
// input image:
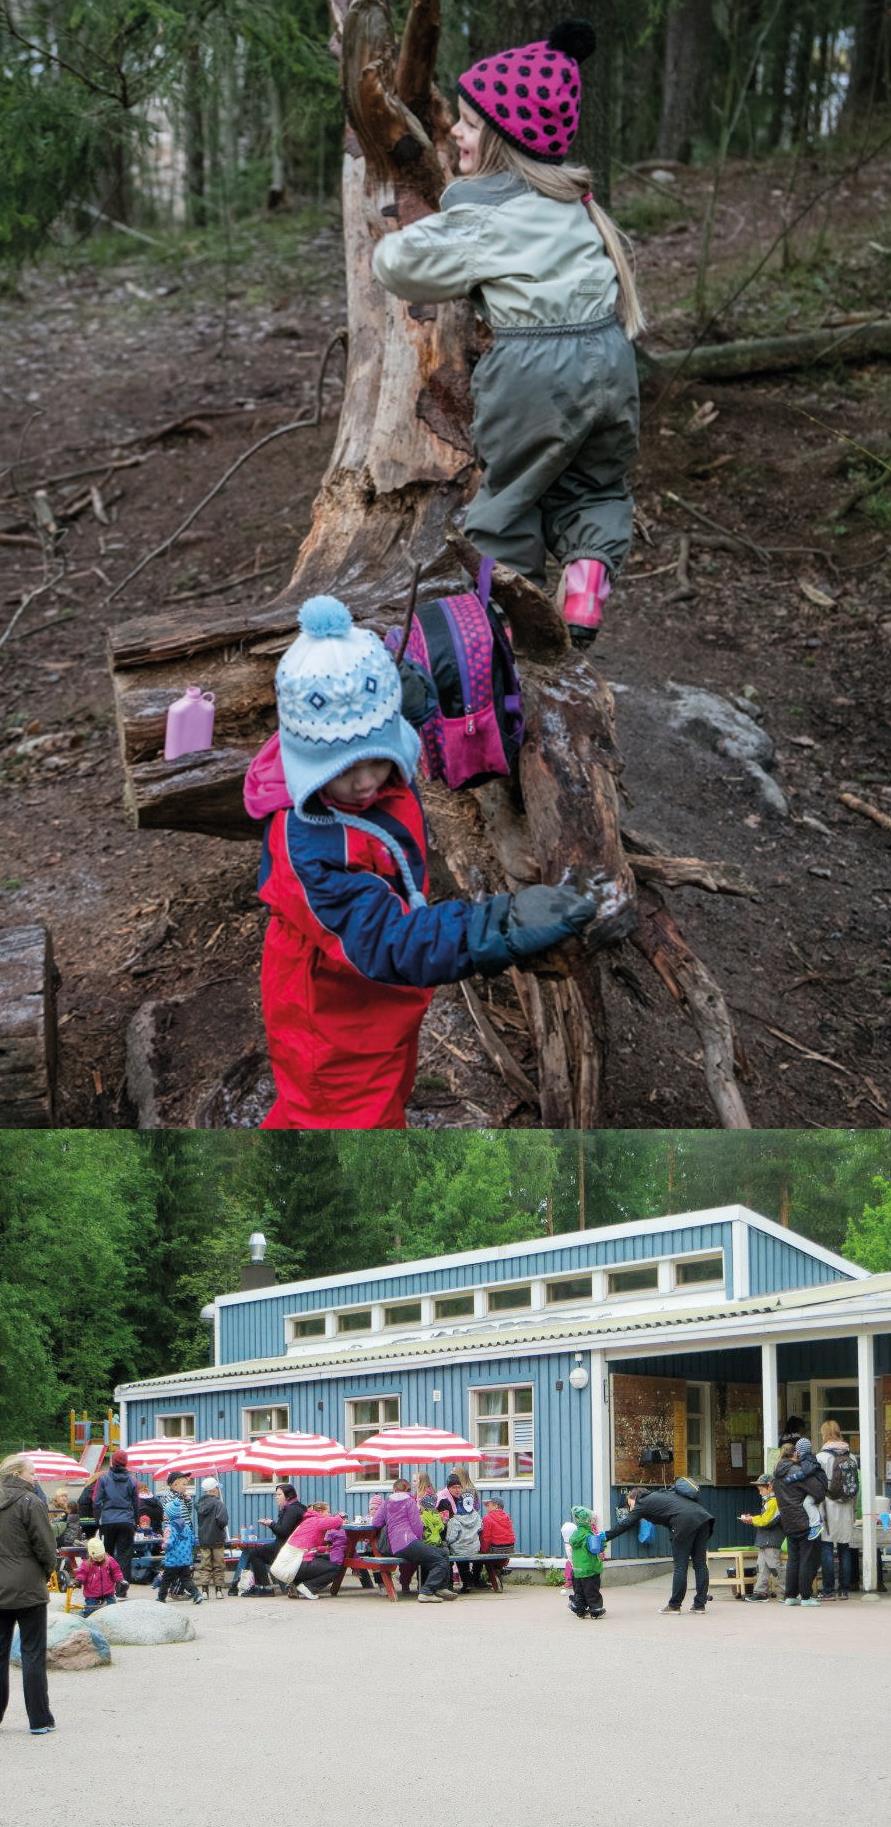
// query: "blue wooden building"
[[567, 1360]]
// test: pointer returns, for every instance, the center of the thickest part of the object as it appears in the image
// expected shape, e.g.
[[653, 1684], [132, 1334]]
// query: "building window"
[[701, 1268], [366, 1416], [358, 1321], [502, 1425], [508, 1300], [699, 1445], [407, 1313], [630, 1281], [453, 1306], [257, 1421], [176, 1427], [311, 1327], [573, 1287]]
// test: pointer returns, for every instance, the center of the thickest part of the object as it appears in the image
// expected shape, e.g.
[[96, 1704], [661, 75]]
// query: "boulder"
[[717, 724], [72, 1641], [145, 1621]]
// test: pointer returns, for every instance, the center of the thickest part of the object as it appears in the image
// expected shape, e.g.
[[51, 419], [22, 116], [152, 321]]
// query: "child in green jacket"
[[586, 1565]]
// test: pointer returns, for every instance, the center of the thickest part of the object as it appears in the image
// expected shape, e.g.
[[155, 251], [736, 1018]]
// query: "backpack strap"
[[484, 581]]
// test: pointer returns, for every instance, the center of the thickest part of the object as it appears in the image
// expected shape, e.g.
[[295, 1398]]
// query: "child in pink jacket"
[[99, 1575]]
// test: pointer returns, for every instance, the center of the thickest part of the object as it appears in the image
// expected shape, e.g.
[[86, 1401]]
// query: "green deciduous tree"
[[868, 1239]]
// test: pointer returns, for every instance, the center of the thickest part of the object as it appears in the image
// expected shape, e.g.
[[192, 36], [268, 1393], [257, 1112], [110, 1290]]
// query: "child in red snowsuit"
[[353, 952]]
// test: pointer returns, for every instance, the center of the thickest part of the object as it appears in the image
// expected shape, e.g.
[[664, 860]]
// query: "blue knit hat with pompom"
[[339, 702]]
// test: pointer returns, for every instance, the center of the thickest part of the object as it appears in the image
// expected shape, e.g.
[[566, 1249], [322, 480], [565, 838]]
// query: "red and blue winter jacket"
[[353, 953]]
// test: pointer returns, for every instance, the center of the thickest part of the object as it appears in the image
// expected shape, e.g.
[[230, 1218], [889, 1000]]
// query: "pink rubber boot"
[[584, 588]]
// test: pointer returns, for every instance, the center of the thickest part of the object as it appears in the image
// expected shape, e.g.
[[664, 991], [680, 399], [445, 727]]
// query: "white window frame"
[[177, 1415], [354, 1332], [254, 1482], [502, 1484], [500, 1287], [707, 1473], [554, 1281], [294, 1319], [406, 1300], [447, 1319], [392, 1395], [692, 1287], [621, 1268]]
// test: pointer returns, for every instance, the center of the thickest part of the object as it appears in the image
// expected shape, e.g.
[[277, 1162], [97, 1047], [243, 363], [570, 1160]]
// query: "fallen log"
[[771, 354], [28, 982]]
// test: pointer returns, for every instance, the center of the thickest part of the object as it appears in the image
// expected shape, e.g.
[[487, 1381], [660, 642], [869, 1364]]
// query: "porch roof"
[[845, 1305]]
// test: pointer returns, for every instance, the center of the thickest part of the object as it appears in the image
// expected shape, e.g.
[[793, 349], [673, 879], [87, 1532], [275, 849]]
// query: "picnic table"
[[362, 1557]]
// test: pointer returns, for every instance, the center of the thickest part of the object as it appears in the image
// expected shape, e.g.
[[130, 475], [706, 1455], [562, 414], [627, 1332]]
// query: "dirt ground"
[[104, 349], [510, 1701]]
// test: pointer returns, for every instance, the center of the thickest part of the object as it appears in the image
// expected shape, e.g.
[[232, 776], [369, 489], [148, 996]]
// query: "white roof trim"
[[794, 1314], [532, 1246]]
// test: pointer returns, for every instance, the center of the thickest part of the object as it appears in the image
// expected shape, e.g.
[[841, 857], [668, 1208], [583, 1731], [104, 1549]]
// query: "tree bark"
[[870, 85], [28, 981], [687, 67], [193, 104]]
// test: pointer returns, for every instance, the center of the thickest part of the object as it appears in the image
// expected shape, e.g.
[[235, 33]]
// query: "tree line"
[[111, 1243], [138, 108]]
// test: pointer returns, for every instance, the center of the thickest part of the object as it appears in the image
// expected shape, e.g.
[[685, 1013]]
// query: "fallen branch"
[[26, 604], [497, 1052], [740, 538], [771, 354], [312, 419], [855, 804], [122, 228], [685, 587], [691, 872], [688, 981]]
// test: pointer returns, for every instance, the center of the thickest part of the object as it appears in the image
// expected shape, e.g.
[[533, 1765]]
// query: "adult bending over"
[[27, 1558], [399, 1514], [689, 1524], [790, 1491]]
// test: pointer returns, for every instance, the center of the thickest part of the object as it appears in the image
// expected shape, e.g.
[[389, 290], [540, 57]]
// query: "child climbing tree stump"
[[401, 469]]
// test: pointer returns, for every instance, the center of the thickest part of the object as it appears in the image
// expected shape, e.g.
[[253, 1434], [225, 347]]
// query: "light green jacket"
[[523, 259]]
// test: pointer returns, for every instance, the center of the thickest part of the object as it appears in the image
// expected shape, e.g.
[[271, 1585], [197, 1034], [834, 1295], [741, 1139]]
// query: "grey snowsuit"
[[556, 397]]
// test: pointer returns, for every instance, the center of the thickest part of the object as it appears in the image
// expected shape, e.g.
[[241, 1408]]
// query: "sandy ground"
[[354, 1710]]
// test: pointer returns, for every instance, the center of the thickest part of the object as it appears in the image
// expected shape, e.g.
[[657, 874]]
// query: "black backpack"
[[686, 1487], [843, 1480]]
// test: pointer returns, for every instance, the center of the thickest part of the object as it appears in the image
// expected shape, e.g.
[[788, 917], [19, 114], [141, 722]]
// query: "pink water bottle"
[[189, 723]]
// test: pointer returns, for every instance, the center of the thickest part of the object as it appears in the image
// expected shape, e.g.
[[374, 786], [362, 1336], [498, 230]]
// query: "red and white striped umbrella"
[[303, 1455], [148, 1455], [49, 1465], [202, 1456], [416, 1445]]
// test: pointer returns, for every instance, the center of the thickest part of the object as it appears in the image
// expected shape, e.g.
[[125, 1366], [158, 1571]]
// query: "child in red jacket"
[[353, 952], [497, 1532], [99, 1575]]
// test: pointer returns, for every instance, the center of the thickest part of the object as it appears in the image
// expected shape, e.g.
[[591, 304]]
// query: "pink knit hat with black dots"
[[532, 96]]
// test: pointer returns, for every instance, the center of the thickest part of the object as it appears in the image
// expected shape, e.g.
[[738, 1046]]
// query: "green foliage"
[[868, 1239]]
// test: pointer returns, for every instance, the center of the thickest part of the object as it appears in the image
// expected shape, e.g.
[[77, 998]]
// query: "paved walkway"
[[504, 1710]]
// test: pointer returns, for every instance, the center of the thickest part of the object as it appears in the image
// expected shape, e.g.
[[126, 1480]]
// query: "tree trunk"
[[773, 354], [779, 65], [801, 86], [870, 84], [688, 47], [28, 980], [402, 464], [194, 105]]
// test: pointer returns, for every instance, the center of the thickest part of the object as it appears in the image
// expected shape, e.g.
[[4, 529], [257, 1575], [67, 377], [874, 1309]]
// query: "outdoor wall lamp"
[[578, 1375]]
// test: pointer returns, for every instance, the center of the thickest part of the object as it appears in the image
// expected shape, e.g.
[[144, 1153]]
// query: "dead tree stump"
[[401, 468], [28, 980]]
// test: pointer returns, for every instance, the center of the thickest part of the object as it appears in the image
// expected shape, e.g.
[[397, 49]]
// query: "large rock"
[[145, 1621], [720, 725], [72, 1641]]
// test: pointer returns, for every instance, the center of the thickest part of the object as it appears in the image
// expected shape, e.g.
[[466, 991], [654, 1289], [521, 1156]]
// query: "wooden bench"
[[384, 1565]]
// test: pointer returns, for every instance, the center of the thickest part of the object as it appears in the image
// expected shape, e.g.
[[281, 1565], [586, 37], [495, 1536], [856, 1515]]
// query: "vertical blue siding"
[[775, 1265], [256, 1328], [723, 1504]]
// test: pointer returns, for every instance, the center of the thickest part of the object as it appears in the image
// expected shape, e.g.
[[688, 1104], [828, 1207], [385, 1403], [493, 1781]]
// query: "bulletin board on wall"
[[738, 1431], [647, 1412]]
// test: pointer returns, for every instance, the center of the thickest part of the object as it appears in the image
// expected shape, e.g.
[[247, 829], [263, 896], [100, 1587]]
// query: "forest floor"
[[101, 349]]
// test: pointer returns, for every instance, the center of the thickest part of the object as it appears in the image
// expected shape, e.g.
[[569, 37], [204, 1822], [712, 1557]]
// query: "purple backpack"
[[478, 728]]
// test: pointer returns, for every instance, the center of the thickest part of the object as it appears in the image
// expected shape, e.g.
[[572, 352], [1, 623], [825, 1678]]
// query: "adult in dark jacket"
[[802, 1555], [147, 1505], [792, 1431], [689, 1524], [213, 1532], [117, 1507], [290, 1512], [27, 1558], [86, 1509]]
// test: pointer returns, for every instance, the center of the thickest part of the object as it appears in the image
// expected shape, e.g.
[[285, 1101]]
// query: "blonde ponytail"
[[568, 184]]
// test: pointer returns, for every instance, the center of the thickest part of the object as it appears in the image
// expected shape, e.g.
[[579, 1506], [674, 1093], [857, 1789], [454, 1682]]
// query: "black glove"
[[507, 929], [419, 700]]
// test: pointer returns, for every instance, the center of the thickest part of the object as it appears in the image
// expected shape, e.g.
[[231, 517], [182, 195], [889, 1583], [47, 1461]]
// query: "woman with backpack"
[[790, 1490], [839, 1509], [353, 950]]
